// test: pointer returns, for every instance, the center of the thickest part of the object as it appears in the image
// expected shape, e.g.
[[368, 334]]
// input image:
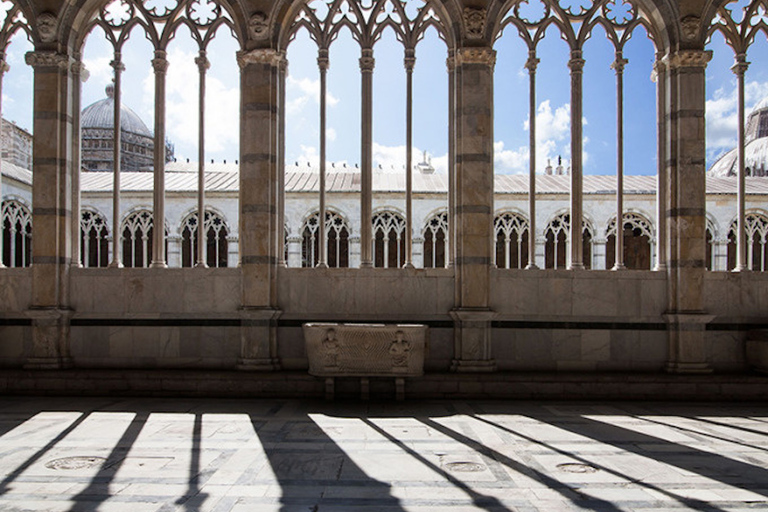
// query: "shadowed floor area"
[[89, 454]]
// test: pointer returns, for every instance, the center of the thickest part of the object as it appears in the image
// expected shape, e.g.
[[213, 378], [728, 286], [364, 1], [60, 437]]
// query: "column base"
[[476, 366], [700, 368], [48, 363], [258, 365]]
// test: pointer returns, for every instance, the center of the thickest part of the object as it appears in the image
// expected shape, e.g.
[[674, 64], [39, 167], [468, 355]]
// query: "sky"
[[430, 103]]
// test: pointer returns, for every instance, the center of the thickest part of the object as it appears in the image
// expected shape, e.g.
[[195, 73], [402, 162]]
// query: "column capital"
[[450, 61], [410, 59], [322, 59], [42, 59], [618, 64], [78, 68], [576, 63], [160, 63], [741, 65], [532, 62], [203, 64], [367, 62], [4, 67], [117, 64], [688, 59], [476, 55], [260, 56], [659, 67]]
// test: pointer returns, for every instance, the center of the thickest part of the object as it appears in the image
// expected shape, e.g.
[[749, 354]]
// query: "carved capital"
[[203, 64], [78, 69], [659, 68], [689, 27], [160, 63], [576, 64], [476, 55], [450, 62], [260, 56], [117, 65], [410, 59], [258, 26], [474, 21], [47, 60], [741, 65], [4, 67], [688, 59], [322, 59], [618, 65], [367, 62], [532, 62]]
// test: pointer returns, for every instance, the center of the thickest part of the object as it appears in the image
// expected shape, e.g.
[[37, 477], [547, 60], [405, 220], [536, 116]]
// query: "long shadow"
[[707, 464], [553, 483], [688, 502], [11, 477], [729, 425], [97, 492], [315, 473], [193, 499]]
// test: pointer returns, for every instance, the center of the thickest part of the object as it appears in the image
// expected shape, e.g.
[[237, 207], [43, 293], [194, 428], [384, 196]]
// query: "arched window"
[[556, 248], [511, 241], [638, 237], [137, 239], [757, 237], [216, 240], [94, 240], [17, 235], [389, 240], [338, 241], [435, 234]]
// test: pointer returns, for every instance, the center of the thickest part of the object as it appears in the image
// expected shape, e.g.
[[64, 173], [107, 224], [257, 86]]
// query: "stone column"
[[79, 75], [202, 66], [739, 68], [720, 255], [686, 211], [659, 76], [258, 208], [367, 63], [322, 64], [409, 62], [531, 65], [450, 241], [174, 251], [418, 252], [618, 66], [3, 68], [354, 251], [474, 210], [576, 246], [541, 250], [160, 65], [118, 68], [294, 252], [232, 251], [282, 73], [52, 210], [599, 253]]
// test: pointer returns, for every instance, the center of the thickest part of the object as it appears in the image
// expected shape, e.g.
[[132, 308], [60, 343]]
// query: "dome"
[[101, 115], [755, 148]]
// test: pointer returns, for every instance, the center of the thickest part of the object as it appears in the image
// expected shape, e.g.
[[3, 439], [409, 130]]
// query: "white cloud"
[[509, 161], [722, 115], [305, 89], [308, 155], [99, 69], [392, 158]]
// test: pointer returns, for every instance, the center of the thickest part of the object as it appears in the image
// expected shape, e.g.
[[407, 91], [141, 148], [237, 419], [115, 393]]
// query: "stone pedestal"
[[258, 340], [472, 332], [50, 339], [686, 348]]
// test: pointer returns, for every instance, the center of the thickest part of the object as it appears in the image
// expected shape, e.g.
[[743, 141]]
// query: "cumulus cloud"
[[302, 90], [392, 158], [722, 115]]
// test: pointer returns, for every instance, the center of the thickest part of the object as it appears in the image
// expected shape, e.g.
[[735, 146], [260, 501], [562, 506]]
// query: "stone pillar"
[[473, 183], [418, 252], [51, 209], [576, 246], [367, 63], [282, 73], [598, 253], [160, 65], [531, 65], [232, 251], [686, 211], [174, 251], [294, 252], [541, 250], [3, 68], [258, 208], [720, 255], [618, 66], [659, 76], [354, 251], [202, 66], [450, 241], [118, 68], [739, 68], [410, 62], [79, 75], [322, 65]]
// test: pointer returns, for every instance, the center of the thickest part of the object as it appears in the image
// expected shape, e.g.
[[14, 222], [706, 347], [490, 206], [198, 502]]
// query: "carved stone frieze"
[[688, 59], [476, 55], [260, 56], [47, 60], [474, 21]]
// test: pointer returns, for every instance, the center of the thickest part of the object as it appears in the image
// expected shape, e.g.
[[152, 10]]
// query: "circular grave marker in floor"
[[464, 467], [576, 467], [78, 462]]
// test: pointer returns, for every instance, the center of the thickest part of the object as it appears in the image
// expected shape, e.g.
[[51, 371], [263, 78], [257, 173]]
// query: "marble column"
[[3, 69], [294, 252], [409, 62], [118, 68], [79, 75], [659, 76], [174, 251], [576, 246], [541, 250], [453, 94], [203, 64], [280, 233], [52, 209], [720, 255], [531, 65], [354, 251], [418, 252], [618, 66], [259, 96], [473, 210], [232, 251], [686, 211], [367, 63], [160, 65], [739, 69], [322, 65], [598, 253]]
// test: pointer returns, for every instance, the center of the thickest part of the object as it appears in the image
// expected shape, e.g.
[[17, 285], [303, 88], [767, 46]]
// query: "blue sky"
[[430, 99]]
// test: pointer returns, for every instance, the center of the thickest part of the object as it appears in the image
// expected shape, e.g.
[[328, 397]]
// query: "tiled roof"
[[16, 173]]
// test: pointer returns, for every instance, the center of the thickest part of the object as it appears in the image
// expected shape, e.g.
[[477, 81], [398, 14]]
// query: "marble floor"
[[135, 455]]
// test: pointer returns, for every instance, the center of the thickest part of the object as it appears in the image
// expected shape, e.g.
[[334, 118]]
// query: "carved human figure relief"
[[46, 27], [331, 349], [400, 349]]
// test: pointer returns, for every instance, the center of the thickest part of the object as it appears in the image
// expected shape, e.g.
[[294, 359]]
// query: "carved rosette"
[[474, 21], [260, 56], [476, 55], [47, 60], [688, 59]]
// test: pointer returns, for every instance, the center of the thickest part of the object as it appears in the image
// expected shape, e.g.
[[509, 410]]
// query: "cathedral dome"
[[101, 115], [755, 147]]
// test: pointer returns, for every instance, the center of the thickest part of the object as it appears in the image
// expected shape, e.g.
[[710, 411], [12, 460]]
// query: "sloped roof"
[[16, 173]]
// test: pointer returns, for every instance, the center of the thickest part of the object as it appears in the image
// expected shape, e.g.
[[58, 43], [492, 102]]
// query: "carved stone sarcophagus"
[[365, 350]]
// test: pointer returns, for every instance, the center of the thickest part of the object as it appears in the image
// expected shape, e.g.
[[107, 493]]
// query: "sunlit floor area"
[[134, 455]]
